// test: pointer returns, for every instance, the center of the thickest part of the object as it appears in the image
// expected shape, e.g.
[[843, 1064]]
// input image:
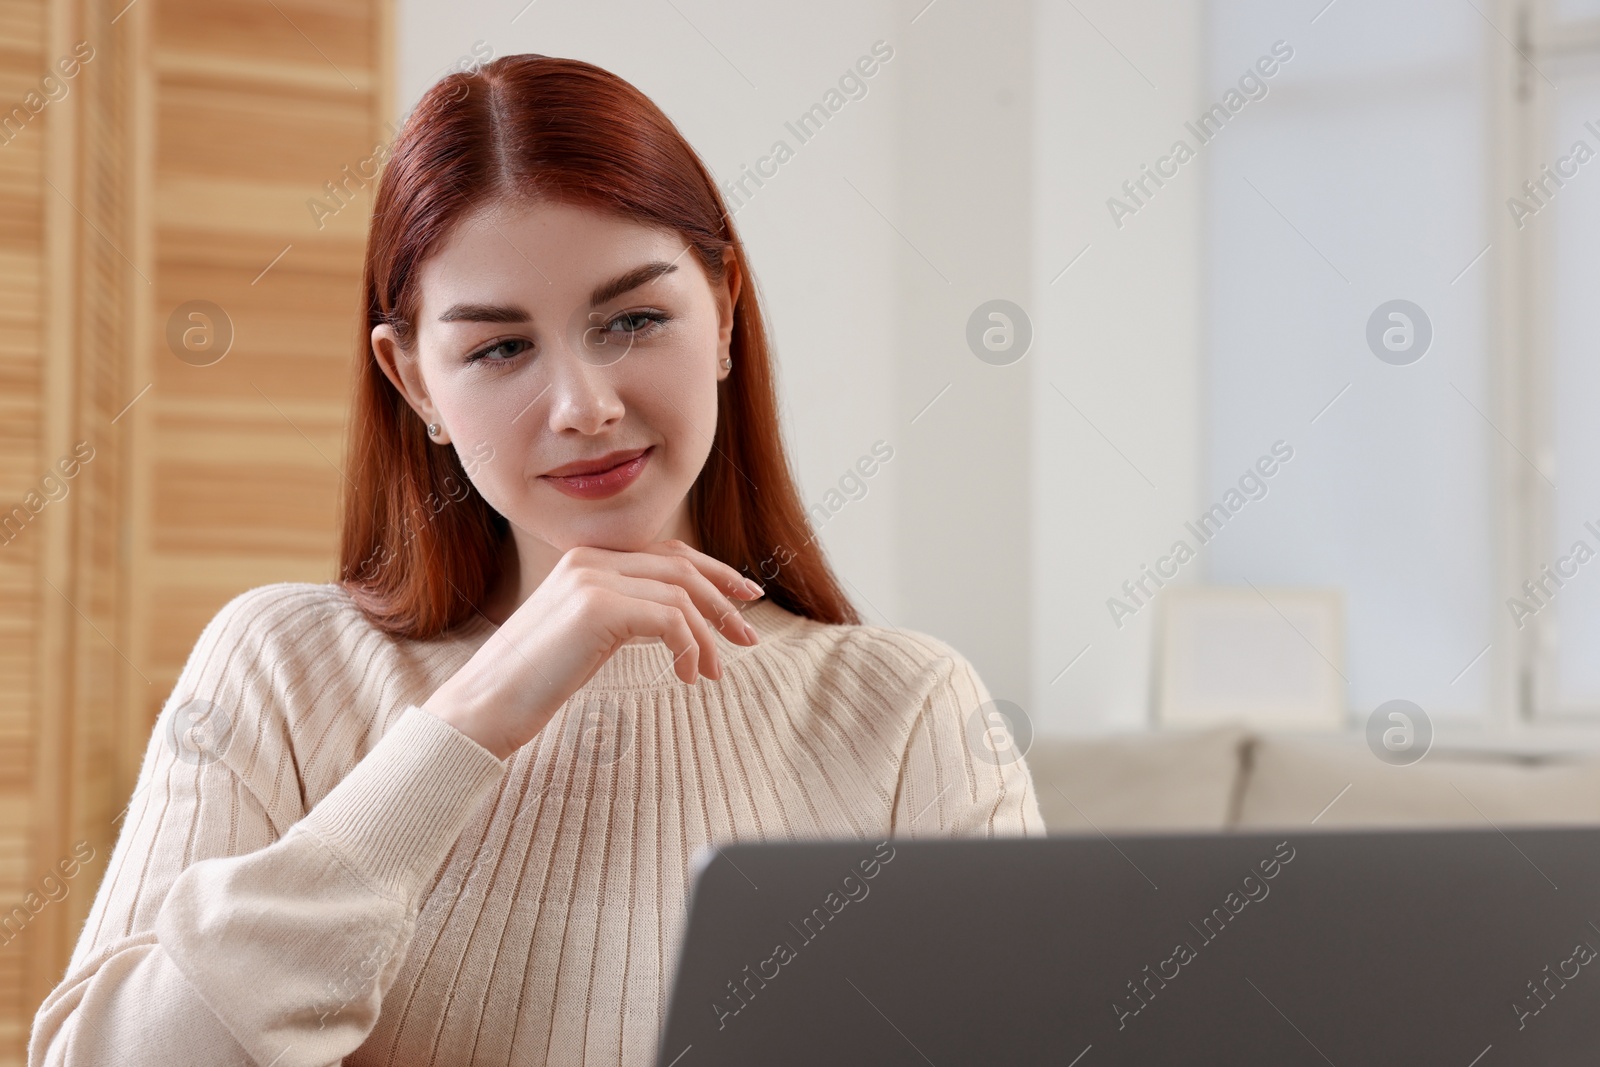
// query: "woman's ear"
[[727, 297], [406, 374]]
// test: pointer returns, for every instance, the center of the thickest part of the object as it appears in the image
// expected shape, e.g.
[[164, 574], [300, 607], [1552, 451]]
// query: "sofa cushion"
[[1288, 781], [1178, 780]]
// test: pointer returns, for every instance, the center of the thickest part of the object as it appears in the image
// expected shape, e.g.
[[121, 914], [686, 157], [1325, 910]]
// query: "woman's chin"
[[615, 534]]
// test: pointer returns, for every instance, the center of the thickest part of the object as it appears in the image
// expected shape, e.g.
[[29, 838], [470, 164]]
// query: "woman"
[[444, 810]]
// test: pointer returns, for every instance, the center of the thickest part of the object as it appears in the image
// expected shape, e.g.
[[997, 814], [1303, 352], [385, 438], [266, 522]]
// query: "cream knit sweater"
[[314, 871]]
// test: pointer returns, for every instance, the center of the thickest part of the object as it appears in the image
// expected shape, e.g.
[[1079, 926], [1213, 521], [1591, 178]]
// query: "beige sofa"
[[1234, 778]]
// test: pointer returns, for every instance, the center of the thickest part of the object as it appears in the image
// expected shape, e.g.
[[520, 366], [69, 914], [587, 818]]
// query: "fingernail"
[[749, 631], [753, 588]]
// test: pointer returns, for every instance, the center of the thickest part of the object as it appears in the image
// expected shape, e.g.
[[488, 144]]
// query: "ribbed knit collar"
[[648, 664]]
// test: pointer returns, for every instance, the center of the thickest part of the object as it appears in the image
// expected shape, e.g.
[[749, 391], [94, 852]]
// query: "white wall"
[[1115, 449], [975, 167], [964, 523]]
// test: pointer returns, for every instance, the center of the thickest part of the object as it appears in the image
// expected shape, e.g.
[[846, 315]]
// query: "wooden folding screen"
[[176, 333]]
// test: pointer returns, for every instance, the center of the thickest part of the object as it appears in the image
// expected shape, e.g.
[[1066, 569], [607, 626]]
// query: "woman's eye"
[[638, 323], [499, 352]]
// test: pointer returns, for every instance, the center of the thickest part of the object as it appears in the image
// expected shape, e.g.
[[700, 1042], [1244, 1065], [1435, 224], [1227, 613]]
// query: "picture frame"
[[1261, 657]]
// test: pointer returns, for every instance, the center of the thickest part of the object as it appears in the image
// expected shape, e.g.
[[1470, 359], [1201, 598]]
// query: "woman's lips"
[[601, 484]]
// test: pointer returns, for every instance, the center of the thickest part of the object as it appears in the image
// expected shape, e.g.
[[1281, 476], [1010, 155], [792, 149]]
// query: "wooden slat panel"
[[185, 156], [293, 32], [22, 265], [258, 111]]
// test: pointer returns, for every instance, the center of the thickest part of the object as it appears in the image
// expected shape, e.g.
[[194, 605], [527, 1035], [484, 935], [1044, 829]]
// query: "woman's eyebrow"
[[634, 278], [609, 291], [484, 313]]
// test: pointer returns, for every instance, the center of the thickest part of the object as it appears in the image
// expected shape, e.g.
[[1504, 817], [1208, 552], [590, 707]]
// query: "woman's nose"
[[582, 396]]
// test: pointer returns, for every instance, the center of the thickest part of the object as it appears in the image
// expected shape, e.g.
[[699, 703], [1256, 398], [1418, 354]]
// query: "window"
[[1361, 178], [1447, 155], [1558, 224]]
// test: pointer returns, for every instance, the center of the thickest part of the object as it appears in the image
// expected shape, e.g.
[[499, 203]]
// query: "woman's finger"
[[701, 576], [712, 601], [720, 574], [648, 616], [675, 596]]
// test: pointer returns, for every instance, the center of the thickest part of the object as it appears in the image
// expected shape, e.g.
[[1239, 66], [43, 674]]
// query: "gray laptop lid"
[[1462, 947]]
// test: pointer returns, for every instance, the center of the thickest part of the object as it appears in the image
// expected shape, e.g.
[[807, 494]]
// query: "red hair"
[[420, 548]]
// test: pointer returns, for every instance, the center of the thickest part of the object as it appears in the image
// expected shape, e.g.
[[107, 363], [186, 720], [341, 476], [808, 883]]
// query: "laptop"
[[1468, 948]]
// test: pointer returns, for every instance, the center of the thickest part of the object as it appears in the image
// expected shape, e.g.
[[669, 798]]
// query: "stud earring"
[[727, 364], [433, 429]]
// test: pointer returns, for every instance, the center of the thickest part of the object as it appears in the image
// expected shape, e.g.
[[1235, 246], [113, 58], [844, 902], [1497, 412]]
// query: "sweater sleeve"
[[963, 773], [232, 925]]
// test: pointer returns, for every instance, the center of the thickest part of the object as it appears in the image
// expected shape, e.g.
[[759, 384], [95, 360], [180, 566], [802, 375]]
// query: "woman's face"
[[549, 335]]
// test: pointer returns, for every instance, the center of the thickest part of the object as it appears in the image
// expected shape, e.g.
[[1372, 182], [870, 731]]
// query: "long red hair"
[[420, 548]]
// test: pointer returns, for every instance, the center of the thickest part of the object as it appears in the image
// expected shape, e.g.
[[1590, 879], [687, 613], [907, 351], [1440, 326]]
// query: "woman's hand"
[[590, 603]]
